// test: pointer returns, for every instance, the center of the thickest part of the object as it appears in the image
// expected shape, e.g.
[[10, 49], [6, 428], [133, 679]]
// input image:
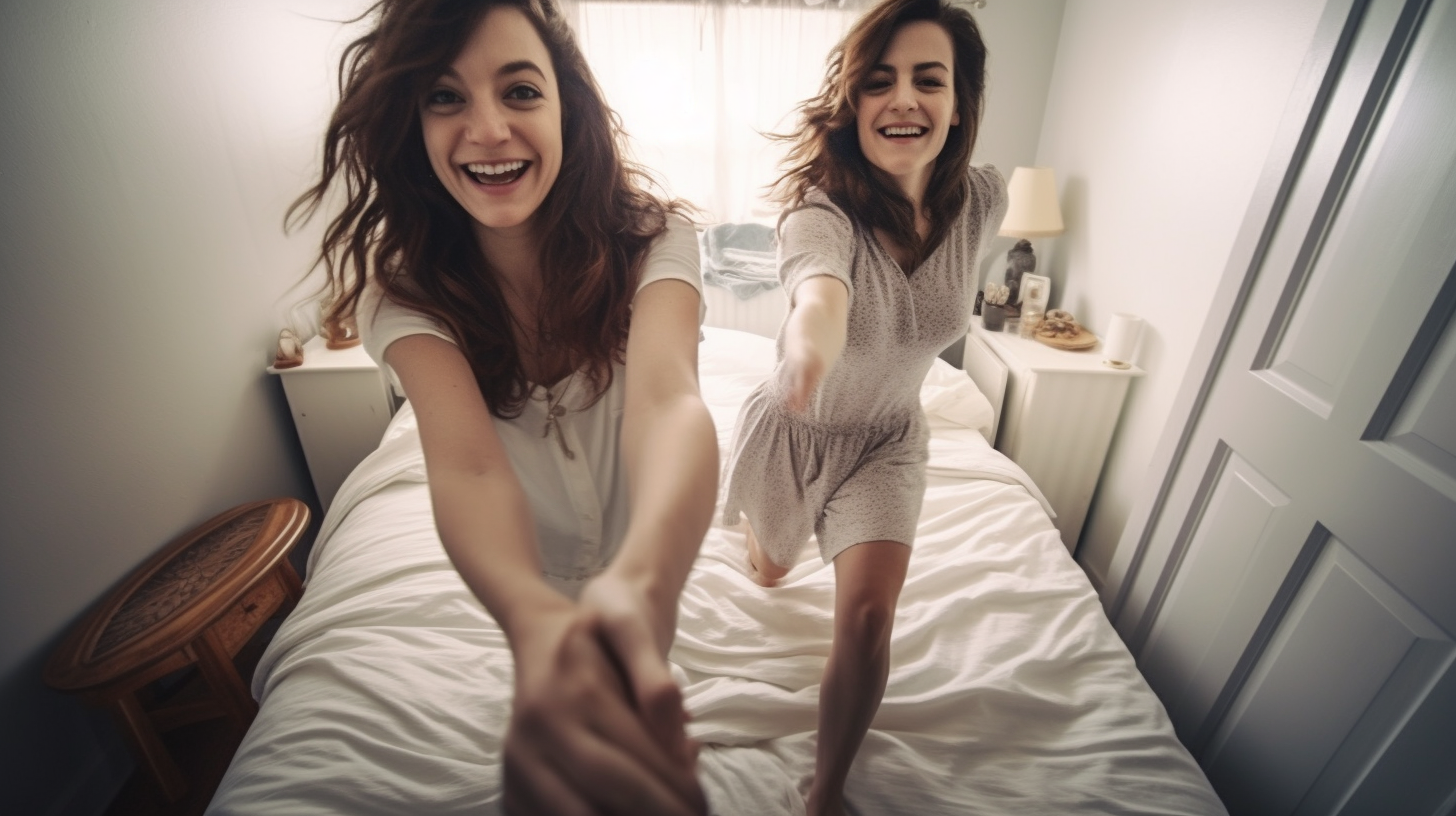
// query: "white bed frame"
[[761, 314], [989, 372]]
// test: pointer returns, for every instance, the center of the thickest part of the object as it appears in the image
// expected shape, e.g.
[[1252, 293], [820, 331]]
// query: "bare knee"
[[866, 620], [769, 571]]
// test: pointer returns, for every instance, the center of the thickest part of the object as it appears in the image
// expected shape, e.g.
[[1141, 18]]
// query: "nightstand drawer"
[[247, 615]]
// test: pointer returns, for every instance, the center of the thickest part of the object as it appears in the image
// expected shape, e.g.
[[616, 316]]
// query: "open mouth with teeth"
[[902, 131], [497, 174]]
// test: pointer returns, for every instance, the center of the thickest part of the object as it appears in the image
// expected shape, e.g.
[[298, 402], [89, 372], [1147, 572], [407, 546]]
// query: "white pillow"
[[951, 398]]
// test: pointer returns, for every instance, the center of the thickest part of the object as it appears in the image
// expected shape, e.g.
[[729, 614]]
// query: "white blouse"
[[576, 483]]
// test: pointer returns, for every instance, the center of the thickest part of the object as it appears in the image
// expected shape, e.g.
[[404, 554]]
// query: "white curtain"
[[698, 82]]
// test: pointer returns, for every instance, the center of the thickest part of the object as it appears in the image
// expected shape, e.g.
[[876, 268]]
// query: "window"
[[697, 84]]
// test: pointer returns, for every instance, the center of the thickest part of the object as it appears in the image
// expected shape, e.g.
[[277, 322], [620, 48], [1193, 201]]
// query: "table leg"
[[292, 585], [222, 677], [139, 732]]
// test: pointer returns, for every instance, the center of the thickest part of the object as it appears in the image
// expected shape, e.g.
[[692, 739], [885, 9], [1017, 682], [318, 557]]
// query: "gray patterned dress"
[[852, 468]]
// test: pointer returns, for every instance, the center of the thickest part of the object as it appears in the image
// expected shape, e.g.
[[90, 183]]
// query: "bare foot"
[[761, 569]]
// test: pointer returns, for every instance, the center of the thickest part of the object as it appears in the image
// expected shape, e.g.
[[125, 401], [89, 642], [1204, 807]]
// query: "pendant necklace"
[[554, 411]]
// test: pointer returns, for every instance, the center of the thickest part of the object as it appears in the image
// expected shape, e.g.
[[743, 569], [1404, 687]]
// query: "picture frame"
[[1036, 292]]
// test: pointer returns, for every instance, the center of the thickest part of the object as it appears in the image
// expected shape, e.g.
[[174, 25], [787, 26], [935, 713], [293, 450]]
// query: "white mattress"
[[386, 690]]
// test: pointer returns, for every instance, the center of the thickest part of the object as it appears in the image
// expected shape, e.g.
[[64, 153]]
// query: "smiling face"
[[492, 124], [906, 105]]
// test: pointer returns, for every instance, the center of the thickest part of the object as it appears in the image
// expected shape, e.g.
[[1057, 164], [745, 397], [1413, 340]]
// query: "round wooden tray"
[[1083, 339]]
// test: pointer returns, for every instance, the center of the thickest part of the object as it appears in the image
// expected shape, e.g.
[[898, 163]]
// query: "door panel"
[[1414, 773], [1423, 429], [1322, 315], [1348, 645], [1240, 515], [1299, 626]]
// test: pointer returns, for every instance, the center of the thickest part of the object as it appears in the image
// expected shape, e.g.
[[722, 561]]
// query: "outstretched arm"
[[671, 454], [813, 336], [480, 509], [575, 742]]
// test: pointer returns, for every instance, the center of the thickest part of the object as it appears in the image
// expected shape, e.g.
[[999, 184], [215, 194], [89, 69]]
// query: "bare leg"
[[868, 578], [761, 569]]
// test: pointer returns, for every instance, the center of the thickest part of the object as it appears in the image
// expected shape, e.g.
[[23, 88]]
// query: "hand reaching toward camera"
[[813, 338], [577, 741], [800, 373], [638, 636]]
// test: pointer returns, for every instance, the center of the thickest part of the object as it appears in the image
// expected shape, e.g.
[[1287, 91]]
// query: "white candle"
[[1122, 340]]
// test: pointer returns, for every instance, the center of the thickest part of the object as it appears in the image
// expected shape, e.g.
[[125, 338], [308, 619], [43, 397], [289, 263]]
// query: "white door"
[[1294, 599]]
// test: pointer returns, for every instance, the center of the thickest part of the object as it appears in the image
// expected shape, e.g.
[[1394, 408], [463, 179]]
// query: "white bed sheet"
[[386, 690]]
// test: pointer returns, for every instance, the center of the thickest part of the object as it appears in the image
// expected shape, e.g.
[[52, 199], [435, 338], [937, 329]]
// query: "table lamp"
[[1031, 212]]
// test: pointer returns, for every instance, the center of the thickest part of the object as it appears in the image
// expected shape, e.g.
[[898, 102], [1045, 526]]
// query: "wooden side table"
[[196, 602]]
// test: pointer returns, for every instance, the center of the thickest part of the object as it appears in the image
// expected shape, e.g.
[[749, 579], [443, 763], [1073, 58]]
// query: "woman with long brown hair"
[[540, 309], [883, 221]]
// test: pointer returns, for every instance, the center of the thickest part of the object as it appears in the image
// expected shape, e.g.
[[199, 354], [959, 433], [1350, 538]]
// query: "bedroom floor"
[[202, 751]]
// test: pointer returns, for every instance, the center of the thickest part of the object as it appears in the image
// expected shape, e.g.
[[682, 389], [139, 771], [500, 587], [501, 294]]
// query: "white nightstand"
[[341, 405], [1057, 419]]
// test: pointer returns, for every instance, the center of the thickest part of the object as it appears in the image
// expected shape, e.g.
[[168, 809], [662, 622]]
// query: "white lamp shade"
[[1032, 211]]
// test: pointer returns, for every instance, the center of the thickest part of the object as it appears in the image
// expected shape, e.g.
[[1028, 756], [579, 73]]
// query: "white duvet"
[[386, 690]]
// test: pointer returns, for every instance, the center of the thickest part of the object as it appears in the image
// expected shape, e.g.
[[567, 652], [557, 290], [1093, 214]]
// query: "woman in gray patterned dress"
[[883, 221]]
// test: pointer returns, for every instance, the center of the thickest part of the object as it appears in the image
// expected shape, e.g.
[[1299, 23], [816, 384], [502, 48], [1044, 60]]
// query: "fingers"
[[651, 769], [654, 730], [628, 641], [658, 700], [586, 775], [636, 640], [574, 727], [533, 787], [802, 376], [799, 393]]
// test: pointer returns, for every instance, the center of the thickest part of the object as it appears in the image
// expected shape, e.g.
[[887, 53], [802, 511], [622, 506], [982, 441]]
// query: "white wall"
[[1158, 124], [147, 152], [1021, 40]]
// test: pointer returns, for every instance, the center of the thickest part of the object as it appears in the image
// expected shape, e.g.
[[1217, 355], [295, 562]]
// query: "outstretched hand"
[[578, 741], [800, 373], [638, 637]]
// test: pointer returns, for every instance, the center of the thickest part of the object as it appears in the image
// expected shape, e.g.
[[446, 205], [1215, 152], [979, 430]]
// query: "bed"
[[387, 689]]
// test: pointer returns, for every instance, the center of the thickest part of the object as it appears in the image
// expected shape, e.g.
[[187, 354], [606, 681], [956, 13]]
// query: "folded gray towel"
[[740, 258]]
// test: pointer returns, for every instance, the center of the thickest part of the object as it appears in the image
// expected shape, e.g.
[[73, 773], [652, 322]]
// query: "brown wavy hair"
[[400, 225], [824, 150]]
